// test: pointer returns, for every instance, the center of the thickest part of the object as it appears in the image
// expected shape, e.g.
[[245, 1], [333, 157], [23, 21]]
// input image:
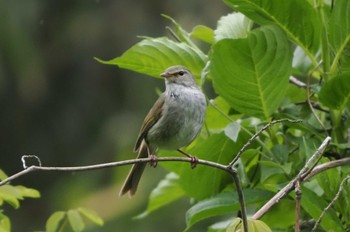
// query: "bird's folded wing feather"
[[152, 118]]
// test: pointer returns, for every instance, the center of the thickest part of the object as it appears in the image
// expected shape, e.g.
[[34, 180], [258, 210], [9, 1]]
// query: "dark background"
[[60, 104]]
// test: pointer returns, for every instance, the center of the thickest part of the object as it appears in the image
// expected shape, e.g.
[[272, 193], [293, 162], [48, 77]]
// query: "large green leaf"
[[296, 17], [252, 73], [152, 56], [339, 28], [335, 93], [224, 203]]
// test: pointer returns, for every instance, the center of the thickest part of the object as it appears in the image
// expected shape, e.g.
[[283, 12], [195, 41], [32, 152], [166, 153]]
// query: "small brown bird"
[[174, 121]]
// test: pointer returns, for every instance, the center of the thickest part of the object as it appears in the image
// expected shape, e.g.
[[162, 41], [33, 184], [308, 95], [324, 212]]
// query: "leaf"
[[2, 175], [5, 223], [252, 74], [253, 226], [203, 33], [75, 220], [223, 203], [91, 215], [232, 130], [181, 34], [28, 192], [10, 194], [152, 56], [335, 93], [233, 26], [167, 191], [54, 221], [296, 17], [339, 27]]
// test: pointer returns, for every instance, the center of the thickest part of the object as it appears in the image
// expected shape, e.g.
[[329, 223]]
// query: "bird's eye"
[[181, 73]]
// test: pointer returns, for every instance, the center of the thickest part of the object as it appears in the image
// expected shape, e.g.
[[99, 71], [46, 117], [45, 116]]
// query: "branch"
[[33, 168], [228, 169], [297, 82], [257, 134], [289, 187]]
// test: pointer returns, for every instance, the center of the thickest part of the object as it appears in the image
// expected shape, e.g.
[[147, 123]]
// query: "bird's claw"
[[153, 161], [194, 161]]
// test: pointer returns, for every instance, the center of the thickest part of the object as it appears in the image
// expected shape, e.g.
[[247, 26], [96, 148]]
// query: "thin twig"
[[297, 206], [289, 187], [322, 167], [237, 181], [308, 97], [337, 195], [297, 82], [256, 135]]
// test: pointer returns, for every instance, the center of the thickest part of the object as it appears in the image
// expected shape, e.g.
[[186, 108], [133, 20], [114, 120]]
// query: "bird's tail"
[[134, 176]]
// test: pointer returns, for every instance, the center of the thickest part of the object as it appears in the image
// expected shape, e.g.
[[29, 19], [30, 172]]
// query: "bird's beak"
[[166, 75]]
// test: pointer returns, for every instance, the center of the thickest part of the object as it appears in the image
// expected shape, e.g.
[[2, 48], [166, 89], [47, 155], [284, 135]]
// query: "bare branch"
[[107, 165], [322, 167], [228, 169], [256, 135]]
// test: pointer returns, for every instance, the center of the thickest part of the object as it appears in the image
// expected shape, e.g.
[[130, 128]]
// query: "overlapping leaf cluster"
[[252, 55]]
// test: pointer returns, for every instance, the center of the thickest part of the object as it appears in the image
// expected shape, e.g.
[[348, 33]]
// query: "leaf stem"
[[324, 41]]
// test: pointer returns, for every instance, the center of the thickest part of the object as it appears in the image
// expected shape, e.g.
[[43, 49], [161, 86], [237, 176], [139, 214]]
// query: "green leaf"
[[233, 26], [91, 215], [232, 130], [28, 192], [339, 28], [5, 223], [296, 17], [181, 34], [152, 56], [314, 205], [2, 175], [75, 220], [253, 226], [335, 93], [252, 74], [203, 33], [223, 203], [11, 195], [167, 191], [54, 221]]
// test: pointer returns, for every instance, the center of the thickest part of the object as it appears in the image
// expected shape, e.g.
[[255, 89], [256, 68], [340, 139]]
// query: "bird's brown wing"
[[151, 118]]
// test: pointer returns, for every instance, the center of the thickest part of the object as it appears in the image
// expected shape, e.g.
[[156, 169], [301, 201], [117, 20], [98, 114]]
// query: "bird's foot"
[[194, 159], [153, 161]]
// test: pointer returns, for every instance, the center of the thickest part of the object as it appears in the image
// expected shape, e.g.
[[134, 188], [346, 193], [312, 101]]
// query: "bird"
[[173, 122]]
